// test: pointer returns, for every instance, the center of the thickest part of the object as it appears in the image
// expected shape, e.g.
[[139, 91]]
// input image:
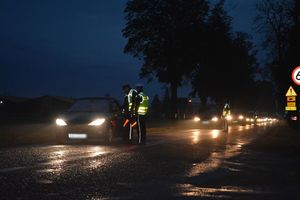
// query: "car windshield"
[[90, 105]]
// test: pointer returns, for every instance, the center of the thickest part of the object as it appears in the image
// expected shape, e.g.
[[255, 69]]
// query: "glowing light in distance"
[[197, 119], [215, 119], [229, 117]]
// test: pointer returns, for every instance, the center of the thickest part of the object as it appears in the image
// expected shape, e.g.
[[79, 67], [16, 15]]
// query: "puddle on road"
[[199, 135], [226, 145], [45, 181], [50, 170], [230, 146], [221, 193], [215, 160]]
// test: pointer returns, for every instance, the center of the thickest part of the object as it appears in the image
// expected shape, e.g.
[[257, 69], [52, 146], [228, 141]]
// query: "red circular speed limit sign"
[[296, 75]]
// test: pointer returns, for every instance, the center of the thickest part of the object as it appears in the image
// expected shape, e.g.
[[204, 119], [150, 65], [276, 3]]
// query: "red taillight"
[[113, 123]]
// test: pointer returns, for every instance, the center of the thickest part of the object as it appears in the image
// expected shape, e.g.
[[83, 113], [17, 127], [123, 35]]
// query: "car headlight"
[[215, 119], [97, 122], [196, 119], [60, 122], [241, 117], [229, 117]]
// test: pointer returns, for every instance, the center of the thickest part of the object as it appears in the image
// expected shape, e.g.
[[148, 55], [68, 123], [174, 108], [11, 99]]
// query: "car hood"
[[82, 117]]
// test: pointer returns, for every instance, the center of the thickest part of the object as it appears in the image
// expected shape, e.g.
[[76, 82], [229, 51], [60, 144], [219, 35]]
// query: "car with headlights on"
[[97, 118], [207, 117], [238, 118]]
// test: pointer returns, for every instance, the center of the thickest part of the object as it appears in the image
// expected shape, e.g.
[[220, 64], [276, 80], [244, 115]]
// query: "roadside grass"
[[280, 139]]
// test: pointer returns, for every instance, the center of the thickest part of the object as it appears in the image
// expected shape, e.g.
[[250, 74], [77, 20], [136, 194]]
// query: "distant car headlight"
[[241, 117], [294, 118], [97, 122], [215, 119], [197, 119], [229, 117], [60, 122]]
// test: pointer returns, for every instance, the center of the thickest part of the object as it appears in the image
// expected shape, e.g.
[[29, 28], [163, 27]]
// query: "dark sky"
[[75, 47]]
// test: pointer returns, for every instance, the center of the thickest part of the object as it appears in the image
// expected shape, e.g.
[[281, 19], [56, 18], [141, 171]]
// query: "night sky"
[[74, 48]]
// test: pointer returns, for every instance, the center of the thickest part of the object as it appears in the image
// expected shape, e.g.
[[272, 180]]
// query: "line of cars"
[[250, 117]]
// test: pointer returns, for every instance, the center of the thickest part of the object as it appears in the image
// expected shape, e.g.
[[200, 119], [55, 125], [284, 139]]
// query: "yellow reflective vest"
[[226, 111], [143, 106], [130, 99]]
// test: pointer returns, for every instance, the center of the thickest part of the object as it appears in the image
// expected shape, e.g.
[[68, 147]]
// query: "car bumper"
[[81, 132]]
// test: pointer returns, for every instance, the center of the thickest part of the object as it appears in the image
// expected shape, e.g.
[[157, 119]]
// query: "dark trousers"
[[141, 126], [225, 125]]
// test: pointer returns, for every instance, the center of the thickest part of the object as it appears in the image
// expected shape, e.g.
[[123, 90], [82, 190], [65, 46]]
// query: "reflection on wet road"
[[109, 171]]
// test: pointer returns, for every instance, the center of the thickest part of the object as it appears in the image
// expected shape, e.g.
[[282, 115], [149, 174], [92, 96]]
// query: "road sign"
[[291, 104], [291, 92], [296, 75], [291, 100], [290, 108]]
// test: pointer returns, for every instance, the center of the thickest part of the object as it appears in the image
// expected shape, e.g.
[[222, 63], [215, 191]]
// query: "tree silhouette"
[[166, 104], [229, 62], [155, 107], [165, 35], [279, 23]]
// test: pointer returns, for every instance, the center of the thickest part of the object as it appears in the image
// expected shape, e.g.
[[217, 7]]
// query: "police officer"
[[141, 109], [128, 109], [226, 113]]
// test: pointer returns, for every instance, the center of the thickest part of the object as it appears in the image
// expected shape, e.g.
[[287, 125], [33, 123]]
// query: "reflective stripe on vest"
[[143, 108], [226, 112], [129, 97]]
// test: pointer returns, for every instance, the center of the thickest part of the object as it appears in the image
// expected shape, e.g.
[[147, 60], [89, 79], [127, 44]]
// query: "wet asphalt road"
[[176, 163]]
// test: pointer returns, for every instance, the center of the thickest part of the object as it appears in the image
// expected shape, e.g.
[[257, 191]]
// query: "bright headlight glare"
[[241, 117], [97, 122], [196, 119], [60, 122], [229, 117], [214, 119]]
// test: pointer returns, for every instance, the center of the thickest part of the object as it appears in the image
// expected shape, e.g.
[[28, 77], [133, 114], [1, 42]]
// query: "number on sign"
[[296, 75]]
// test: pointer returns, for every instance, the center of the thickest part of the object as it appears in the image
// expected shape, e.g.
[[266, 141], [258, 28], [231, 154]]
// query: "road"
[[176, 163]]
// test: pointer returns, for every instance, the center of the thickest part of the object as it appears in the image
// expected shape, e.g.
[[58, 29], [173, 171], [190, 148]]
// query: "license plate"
[[77, 136]]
